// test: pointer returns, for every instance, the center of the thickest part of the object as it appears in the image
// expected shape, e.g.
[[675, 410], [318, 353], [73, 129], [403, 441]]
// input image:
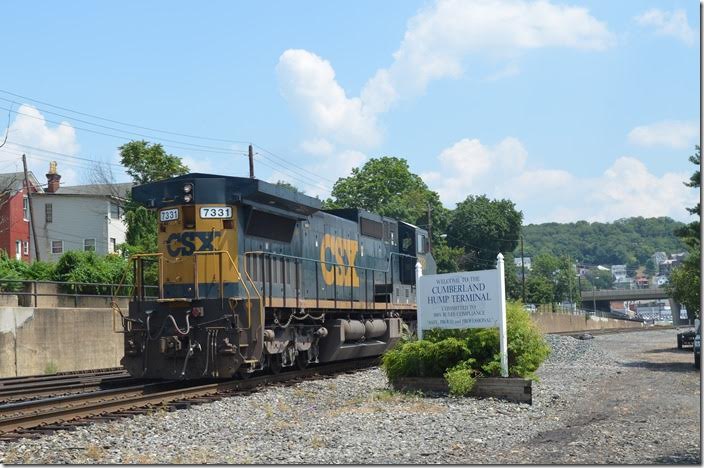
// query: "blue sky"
[[573, 110]]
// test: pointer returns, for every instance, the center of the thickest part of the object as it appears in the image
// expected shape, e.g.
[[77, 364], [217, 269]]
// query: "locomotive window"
[[370, 228], [422, 245], [270, 226], [189, 216]]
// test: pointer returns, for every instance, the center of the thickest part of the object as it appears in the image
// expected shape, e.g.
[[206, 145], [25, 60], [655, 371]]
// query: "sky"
[[574, 110]]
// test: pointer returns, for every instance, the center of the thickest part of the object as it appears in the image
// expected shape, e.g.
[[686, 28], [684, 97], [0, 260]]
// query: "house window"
[[57, 246], [115, 211], [26, 247], [89, 245], [18, 250], [25, 208], [49, 213], [113, 245]]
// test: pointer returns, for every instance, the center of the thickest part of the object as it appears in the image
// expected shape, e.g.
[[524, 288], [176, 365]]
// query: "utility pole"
[[32, 226], [523, 270], [251, 162], [430, 228]]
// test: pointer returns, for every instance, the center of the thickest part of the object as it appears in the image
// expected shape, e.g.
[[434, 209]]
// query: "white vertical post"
[[419, 273], [503, 344]]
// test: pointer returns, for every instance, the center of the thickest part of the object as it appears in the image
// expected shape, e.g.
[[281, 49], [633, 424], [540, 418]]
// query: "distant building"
[[14, 214], [619, 273], [660, 281], [642, 282], [87, 217], [522, 261]]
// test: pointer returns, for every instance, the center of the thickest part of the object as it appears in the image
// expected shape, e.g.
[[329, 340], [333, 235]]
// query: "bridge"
[[599, 299]]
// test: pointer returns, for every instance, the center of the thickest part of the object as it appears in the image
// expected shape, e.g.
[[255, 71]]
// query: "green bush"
[[424, 358], [13, 270], [41, 271], [88, 267], [461, 379], [464, 354]]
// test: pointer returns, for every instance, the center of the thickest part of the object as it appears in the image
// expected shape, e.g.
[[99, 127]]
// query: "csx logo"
[[344, 252], [185, 243]]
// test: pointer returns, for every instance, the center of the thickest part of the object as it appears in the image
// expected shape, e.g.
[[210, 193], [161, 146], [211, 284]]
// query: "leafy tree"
[[483, 228], [685, 280], [447, 258], [145, 163], [387, 186], [284, 184], [539, 290], [600, 279]]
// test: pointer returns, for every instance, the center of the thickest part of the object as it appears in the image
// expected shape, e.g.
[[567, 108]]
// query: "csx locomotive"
[[255, 276]]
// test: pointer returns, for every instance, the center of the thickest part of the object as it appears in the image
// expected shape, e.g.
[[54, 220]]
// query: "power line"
[[123, 123]]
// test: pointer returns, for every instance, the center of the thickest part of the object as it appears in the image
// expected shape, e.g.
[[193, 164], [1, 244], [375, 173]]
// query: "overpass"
[[599, 299]]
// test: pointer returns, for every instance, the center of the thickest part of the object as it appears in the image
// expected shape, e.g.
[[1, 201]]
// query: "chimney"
[[53, 178]]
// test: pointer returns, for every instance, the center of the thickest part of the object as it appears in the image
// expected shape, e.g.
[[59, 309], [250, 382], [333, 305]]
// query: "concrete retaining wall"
[[554, 323], [38, 340]]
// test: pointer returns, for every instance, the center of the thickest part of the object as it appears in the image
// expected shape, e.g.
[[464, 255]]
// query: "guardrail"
[[33, 289]]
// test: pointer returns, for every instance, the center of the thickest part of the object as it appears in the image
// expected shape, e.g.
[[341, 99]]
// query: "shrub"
[[461, 379], [11, 269], [88, 267], [41, 271], [461, 355]]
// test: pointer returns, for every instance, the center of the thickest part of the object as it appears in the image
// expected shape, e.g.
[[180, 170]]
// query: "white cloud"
[[673, 133], [626, 188], [198, 165], [468, 166], [317, 147], [439, 37], [30, 131], [308, 83], [436, 42], [668, 23]]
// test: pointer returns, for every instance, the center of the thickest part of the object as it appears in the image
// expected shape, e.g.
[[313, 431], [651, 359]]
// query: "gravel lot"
[[626, 398]]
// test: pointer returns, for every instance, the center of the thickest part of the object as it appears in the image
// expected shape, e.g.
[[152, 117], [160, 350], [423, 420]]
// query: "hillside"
[[625, 241]]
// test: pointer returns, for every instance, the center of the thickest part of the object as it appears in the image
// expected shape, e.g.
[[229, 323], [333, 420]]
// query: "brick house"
[[14, 214]]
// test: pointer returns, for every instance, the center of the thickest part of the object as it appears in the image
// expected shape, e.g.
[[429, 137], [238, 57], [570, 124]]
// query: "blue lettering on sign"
[[184, 243]]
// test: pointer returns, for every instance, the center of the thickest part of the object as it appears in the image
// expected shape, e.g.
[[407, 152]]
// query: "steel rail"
[[32, 414]]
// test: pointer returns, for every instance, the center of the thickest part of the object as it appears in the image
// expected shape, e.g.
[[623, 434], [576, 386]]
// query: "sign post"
[[466, 299], [503, 340], [419, 273]]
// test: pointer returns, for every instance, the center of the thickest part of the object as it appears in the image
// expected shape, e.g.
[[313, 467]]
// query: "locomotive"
[[256, 276]]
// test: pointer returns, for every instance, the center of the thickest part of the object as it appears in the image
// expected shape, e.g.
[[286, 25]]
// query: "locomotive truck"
[[255, 276]]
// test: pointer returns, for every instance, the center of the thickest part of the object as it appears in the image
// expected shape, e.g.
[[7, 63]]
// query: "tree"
[[685, 280], [600, 279], [483, 228], [148, 163], [387, 186], [539, 290], [145, 163], [288, 185]]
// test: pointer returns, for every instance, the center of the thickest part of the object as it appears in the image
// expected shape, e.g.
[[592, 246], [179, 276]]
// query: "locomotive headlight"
[[188, 188], [187, 198]]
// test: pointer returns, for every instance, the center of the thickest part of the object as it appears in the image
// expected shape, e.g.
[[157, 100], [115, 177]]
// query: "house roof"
[[111, 190], [13, 181]]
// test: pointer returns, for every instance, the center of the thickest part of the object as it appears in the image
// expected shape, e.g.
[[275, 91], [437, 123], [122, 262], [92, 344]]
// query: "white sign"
[[468, 299], [216, 212], [168, 215]]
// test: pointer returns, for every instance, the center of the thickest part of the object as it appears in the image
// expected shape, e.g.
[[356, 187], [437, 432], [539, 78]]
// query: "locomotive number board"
[[168, 215], [223, 212]]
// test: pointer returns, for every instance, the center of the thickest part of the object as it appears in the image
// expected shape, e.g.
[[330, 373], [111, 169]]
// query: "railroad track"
[[38, 417], [38, 386], [608, 331]]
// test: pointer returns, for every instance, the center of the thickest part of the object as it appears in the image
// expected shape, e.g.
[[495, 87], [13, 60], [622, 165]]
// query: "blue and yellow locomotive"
[[253, 275]]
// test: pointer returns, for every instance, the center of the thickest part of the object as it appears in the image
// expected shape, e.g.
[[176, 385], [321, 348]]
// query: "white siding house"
[[87, 218]]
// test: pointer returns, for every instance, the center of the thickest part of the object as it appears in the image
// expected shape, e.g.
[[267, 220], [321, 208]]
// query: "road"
[[647, 411]]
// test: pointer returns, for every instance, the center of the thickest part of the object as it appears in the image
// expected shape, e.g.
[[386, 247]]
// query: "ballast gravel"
[[355, 419]]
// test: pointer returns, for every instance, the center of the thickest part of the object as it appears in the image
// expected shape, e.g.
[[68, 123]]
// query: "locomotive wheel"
[[275, 363], [302, 361]]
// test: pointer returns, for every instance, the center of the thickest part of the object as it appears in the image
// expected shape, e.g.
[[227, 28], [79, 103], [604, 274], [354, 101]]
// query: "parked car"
[[530, 308], [686, 338], [697, 346]]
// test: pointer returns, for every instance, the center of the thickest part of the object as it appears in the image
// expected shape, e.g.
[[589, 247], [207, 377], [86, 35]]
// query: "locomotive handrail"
[[239, 275], [388, 270], [137, 258]]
